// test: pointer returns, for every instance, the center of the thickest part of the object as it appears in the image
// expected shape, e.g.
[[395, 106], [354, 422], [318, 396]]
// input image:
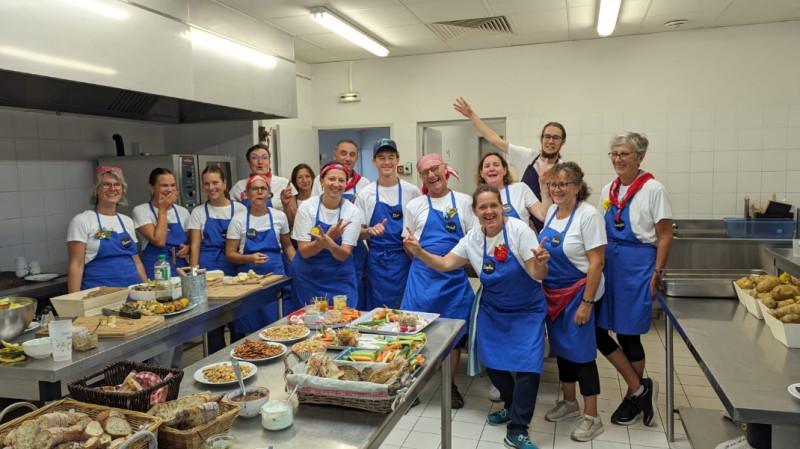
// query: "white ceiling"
[[402, 24]]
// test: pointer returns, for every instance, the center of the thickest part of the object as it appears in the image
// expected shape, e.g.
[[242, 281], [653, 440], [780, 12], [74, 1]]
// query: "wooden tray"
[[229, 292], [125, 327]]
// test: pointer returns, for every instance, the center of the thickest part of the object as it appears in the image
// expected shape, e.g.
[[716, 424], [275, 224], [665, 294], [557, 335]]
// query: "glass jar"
[[82, 340]]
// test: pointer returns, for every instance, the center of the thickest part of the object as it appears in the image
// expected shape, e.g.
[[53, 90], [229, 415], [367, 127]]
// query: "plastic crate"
[[764, 228]]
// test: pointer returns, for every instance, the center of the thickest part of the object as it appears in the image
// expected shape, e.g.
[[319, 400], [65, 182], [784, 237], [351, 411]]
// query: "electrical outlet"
[[407, 168]]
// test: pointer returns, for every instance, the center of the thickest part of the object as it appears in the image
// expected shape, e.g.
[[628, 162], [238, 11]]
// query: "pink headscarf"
[[105, 169], [256, 178], [438, 157]]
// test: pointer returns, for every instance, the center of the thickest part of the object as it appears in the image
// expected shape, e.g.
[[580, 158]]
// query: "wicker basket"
[[135, 419], [336, 397], [170, 438], [114, 374]]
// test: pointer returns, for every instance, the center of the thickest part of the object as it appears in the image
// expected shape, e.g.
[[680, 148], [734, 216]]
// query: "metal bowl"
[[14, 321]]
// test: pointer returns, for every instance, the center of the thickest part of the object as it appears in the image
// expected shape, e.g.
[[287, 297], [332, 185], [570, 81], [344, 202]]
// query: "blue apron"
[[322, 274], [427, 290], [387, 263], [510, 308], [508, 208], [359, 260], [568, 340], [212, 247], [627, 305], [531, 178], [175, 237], [265, 242], [113, 266]]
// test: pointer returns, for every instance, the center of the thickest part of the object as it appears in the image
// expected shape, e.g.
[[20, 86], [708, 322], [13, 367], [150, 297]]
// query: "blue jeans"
[[519, 397]]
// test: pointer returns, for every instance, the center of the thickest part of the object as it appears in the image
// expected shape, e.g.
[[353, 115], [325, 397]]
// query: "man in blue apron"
[[382, 204], [553, 137]]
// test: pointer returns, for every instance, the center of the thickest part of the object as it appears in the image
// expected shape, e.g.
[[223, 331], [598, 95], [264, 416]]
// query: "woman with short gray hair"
[[638, 218]]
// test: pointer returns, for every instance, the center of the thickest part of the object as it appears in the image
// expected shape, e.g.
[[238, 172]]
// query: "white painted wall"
[[721, 106]]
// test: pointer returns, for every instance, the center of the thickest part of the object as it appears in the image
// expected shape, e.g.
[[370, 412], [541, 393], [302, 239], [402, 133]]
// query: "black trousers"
[[519, 397]]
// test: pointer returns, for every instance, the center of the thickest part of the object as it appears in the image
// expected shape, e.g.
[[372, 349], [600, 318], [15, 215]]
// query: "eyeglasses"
[[553, 138], [435, 168], [559, 185], [256, 158], [111, 185], [624, 155], [259, 188]]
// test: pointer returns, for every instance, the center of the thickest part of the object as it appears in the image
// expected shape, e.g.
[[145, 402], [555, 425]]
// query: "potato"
[[788, 310], [769, 303], [781, 292], [790, 318], [785, 302], [761, 296], [745, 283], [767, 284]]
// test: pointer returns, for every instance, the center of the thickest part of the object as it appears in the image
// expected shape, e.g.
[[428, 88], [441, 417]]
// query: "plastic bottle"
[[161, 274]]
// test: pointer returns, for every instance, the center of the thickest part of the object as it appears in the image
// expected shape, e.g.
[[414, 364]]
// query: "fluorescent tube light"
[[607, 18], [332, 22]]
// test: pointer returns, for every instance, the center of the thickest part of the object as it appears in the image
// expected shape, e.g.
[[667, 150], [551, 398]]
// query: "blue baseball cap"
[[383, 144]]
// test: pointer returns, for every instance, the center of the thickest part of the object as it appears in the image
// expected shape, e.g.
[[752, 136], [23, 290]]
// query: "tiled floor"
[[420, 428]]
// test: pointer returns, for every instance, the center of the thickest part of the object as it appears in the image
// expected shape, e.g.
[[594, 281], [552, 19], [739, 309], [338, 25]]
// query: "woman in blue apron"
[[161, 222], [638, 220], [256, 241], [327, 230], [572, 285], [509, 307], [102, 231], [208, 227], [518, 199]]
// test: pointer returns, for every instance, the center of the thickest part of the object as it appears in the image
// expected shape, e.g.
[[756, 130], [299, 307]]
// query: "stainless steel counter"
[[46, 379], [333, 427], [785, 261], [56, 287]]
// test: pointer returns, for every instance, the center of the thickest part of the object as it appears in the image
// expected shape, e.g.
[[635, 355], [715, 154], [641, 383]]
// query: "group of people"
[[549, 263]]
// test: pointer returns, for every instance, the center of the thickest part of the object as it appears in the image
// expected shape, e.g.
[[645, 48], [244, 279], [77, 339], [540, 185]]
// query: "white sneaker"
[[494, 394], [587, 428], [563, 410]]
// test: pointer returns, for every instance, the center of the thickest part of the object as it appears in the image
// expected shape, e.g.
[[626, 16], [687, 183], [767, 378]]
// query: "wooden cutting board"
[[230, 292], [125, 327]]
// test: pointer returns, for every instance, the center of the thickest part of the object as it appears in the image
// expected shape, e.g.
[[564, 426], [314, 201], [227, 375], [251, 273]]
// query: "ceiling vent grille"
[[134, 102], [483, 27]]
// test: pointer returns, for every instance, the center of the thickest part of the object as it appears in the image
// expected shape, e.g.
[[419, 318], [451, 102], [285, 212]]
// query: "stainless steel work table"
[[785, 261], [748, 369], [332, 427], [46, 379]]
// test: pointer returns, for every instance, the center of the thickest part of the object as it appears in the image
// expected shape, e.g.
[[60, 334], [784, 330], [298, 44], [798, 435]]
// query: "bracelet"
[[586, 301]]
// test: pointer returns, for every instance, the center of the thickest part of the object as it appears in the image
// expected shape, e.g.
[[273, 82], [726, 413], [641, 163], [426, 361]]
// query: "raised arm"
[[487, 132], [448, 262]]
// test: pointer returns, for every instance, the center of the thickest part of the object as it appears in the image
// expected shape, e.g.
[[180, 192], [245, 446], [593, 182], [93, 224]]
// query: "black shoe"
[[647, 401], [627, 413], [416, 402], [456, 400]]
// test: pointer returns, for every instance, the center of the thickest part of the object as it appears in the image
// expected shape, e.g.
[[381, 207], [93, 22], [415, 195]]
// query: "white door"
[[431, 141]]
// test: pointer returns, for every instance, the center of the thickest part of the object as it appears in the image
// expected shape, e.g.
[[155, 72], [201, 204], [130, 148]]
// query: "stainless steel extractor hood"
[[128, 60]]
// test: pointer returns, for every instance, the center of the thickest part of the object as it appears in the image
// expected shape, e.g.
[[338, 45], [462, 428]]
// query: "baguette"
[[172, 411], [8, 440], [25, 434], [55, 419], [92, 443], [105, 439], [115, 443], [69, 445], [201, 414], [118, 427], [49, 438], [130, 383], [105, 414], [77, 418], [93, 429]]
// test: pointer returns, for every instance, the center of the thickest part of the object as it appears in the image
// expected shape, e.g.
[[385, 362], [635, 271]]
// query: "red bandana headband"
[[257, 178], [330, 167], [105, 169]]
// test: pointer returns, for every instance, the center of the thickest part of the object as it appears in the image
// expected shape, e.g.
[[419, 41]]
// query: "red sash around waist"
[[559, 298]]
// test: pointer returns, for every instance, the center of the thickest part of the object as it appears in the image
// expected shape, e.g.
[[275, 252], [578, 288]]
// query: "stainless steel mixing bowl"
[[14, 321]]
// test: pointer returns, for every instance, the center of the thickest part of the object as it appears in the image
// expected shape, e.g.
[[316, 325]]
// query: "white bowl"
[[38, 348], [251, 408]]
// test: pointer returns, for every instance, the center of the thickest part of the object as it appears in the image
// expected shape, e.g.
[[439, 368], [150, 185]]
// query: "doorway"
[[364, 138]]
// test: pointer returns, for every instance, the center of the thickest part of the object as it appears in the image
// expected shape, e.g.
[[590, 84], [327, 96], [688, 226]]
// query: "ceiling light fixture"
[[334, 23], [607, 18], [676, 23]]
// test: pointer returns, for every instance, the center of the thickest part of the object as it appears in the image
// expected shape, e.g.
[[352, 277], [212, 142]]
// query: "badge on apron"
[[619, 225], [224, 233], [251, 233], [396, 215], [450, 226], [488, 267], [555, 241], [507, 208], [126, 242]]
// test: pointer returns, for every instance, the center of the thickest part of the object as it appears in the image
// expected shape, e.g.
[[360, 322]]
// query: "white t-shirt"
[[237, 229], [388, 195], [521, 238], [142, 215], [649, 206], [587, 231], [522, 198], [83, 226], [276, 186], [316, 187], [306, 219], [198, 217], [416, 213]]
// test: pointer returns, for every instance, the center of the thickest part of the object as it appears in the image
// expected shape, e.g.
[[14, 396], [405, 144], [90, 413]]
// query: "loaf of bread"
[[92, 430], [117, 427], [201, 414], [172, 412]]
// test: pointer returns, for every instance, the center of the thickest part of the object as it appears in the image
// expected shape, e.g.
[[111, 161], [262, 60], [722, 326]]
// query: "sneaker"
[[494, 394], [648, 400], [499, 417], [563, 410], [627, 413], [456, 400], [587, 428], [519, 441]]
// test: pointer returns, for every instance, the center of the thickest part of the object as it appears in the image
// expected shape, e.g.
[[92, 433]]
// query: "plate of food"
[[381, 356], [794, 390], [284, 334], [332, 318], [159, 308], [257, 351], [222, 373], [383, 320]]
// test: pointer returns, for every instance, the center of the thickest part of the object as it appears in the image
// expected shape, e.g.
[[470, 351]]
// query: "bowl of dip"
[[276, 415], [249, 403], [220, 441]]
